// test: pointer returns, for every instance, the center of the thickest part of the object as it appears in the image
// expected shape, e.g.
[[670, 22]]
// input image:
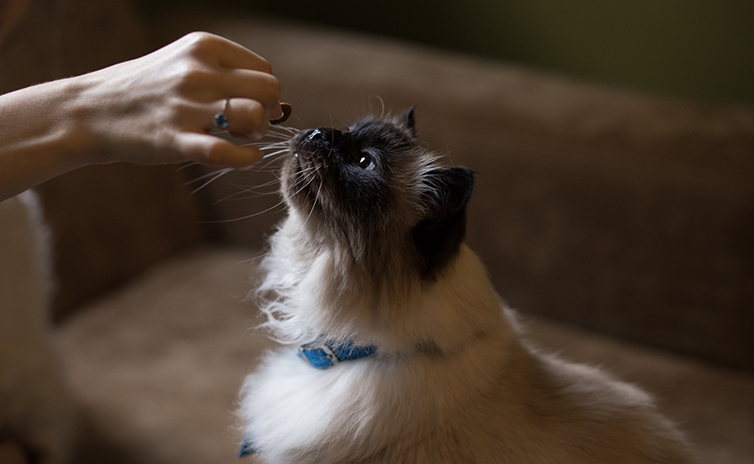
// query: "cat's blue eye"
[[366, 162]]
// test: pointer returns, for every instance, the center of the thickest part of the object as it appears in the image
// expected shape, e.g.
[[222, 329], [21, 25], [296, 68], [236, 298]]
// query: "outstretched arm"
[[155, 109]]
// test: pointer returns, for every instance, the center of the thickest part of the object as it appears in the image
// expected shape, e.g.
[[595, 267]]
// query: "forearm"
[[40, 135]]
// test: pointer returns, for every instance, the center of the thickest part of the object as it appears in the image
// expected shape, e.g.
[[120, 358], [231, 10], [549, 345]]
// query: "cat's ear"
[[409, 121], [440, 233]]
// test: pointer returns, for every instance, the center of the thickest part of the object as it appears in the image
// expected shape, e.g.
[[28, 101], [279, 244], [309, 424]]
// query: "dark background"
[[703, 50]]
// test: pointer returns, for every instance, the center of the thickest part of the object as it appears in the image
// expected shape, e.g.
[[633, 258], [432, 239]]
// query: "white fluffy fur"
[[35, 407], [474, 393]]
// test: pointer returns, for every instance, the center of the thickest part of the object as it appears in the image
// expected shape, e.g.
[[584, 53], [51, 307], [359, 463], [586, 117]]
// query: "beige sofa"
[[619, 224]]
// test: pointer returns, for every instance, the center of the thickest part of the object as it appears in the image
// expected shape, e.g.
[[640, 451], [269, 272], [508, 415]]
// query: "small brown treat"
[[287, 110]]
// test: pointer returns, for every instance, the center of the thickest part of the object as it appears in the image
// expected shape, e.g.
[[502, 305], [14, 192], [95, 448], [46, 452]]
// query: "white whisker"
[[221, 173], [188, 165], [316, 199], [283, 144], [265, 145], [254, 258], [275, 153], [291, 130], [252, 194], [209, 174], [271, 208], [274, 135]]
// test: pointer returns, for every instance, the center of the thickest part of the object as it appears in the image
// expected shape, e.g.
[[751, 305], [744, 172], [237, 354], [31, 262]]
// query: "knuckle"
[[256, 116], [179, 112], [256, 119], [193, 77], [265, 66], [199, 38], [269, 90], [274, 88], [199, 43]]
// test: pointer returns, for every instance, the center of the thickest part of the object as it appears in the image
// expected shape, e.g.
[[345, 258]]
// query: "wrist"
[[78, 142], [41, 136]]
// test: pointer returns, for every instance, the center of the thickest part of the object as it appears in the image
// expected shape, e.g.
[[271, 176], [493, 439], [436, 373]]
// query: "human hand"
[[160, 108]]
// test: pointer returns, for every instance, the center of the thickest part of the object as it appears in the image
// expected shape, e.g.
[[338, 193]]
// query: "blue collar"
[[325, 354]]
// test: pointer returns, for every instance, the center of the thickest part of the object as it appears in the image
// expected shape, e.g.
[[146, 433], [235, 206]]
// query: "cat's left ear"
[[439, 235], [409, 121]]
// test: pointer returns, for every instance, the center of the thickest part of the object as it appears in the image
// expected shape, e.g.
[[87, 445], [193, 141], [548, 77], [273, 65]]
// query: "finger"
[[256, 85], [207, 149], [245, 116], [233, 55]]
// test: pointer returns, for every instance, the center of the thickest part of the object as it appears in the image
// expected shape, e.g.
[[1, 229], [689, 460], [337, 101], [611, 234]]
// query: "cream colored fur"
[[454, 382], [35, 407]]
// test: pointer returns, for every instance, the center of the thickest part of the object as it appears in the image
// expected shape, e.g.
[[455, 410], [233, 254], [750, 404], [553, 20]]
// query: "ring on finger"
[[221, 120]]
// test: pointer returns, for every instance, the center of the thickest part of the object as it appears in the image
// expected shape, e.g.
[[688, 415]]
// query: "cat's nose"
[[314, 134], [327, 134]]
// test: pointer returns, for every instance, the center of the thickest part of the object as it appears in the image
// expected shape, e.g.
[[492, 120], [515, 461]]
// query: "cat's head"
[[375, 194]]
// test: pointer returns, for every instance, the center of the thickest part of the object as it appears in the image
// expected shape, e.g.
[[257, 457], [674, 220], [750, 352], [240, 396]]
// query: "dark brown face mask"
[[287, 110]]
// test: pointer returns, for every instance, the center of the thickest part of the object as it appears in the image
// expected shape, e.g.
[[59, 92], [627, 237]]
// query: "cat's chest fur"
[[407, 392], [484, 397]]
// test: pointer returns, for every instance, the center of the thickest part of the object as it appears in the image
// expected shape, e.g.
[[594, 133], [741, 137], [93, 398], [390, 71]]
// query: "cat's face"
[[378, 194]]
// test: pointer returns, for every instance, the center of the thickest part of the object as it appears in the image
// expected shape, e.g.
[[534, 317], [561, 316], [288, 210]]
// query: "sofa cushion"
[[158, 364]]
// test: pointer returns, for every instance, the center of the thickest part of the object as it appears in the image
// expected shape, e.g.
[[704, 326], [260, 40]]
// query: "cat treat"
[[287, 110]]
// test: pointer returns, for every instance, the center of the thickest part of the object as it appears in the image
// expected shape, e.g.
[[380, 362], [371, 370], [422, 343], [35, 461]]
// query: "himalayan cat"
[[36, 410], [395, 348]]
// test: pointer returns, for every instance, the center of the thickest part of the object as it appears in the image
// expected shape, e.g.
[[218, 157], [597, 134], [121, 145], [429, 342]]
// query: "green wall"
[[690, 48]]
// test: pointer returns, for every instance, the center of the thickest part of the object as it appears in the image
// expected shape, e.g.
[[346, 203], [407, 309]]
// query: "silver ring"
[[221, 120]]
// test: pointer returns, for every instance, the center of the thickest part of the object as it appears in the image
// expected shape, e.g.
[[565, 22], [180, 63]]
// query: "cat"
[[37, 412], [395, 347]]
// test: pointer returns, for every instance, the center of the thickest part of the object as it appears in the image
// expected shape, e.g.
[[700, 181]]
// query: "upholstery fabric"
[[157, 367]]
